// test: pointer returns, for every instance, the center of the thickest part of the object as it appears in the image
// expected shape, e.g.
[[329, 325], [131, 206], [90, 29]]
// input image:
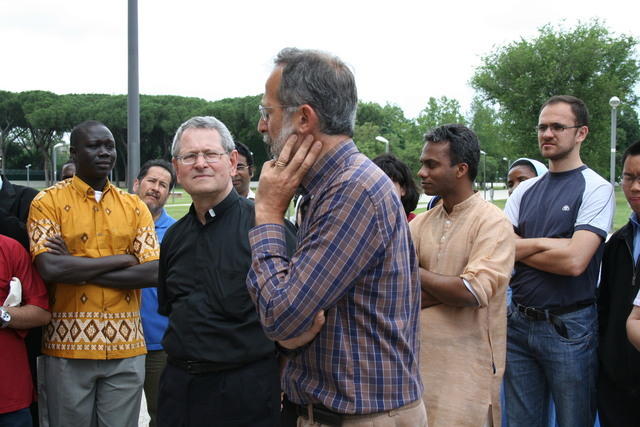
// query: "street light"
[[484, 174], [614, 102], [54, 160], [28, 180], [386, 142], [506, 160]]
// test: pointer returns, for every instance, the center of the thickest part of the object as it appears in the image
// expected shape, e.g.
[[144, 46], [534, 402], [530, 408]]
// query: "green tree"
[[440, 112], [46, 121], [11, 118], [586, 61]]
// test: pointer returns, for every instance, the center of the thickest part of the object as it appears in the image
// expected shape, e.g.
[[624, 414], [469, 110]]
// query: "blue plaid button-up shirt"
[[356, 261]]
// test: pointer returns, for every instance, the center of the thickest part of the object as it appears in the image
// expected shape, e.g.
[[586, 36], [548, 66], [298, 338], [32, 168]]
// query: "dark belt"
[[552, 314], [199, 367]]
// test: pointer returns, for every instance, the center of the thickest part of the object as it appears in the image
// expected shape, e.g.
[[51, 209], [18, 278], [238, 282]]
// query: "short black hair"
[[632, 150], [244, 150], [578, 107], [399, 172], [80, 130], [144, 169], [464, 146]]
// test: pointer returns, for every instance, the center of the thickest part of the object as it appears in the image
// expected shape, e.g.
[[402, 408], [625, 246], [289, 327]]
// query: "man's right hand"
[[280, 178], [305, 337]]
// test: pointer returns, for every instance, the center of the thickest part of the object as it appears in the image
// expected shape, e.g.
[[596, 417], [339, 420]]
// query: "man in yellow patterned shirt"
[[95, 246]]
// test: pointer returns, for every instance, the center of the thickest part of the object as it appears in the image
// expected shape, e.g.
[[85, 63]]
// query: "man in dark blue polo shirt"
[[562, 219]]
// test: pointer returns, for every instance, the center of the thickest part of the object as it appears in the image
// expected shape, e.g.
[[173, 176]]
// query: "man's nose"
[[200, 161], [262, 125], [548, 133]]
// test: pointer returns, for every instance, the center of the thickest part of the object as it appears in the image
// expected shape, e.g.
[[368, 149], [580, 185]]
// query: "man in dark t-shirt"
[[562, 219]]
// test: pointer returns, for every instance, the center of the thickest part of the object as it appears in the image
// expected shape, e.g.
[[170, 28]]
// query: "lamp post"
[[614, 102], [28, 180], [484, 174], [385, 141], [54, 160], [507, 161]]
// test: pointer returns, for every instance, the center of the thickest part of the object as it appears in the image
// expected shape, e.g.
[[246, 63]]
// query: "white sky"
[[402, 51]]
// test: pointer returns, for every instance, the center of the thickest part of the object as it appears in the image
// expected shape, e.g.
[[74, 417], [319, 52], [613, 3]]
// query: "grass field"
[[620, 218], [178, 205]]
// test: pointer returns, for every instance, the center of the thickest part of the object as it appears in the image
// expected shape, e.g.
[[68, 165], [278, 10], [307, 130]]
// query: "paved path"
[[144, 419]]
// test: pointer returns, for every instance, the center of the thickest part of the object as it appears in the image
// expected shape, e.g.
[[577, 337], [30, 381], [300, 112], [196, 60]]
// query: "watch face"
[[5, 316]]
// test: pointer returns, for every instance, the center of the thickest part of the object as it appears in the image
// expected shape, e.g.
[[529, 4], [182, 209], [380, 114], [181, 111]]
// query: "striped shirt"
[[356, 261]]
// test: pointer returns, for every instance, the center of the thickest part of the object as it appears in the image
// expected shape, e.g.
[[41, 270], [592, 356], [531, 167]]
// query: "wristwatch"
[[5, 317]]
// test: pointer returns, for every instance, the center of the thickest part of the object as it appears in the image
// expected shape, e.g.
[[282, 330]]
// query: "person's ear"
[[307, 119], [233, 157], [582, 133], [176, 168], [462, 169]]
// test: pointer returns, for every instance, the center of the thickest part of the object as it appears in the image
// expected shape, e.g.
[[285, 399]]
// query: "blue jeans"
[[19, 418], [542, 364]]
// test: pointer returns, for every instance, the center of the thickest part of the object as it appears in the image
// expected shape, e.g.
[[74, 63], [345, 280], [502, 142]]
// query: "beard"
[[276, 144]]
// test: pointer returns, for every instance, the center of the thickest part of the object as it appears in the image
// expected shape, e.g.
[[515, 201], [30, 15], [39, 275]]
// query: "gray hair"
[[324, 82], [204, 122]]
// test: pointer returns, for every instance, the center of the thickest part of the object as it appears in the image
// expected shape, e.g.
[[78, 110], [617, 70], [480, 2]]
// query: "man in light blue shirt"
[[153, 185]]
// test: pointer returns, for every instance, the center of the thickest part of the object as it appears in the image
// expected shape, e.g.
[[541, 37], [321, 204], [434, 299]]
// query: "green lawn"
[[178, 205], [620, 218]]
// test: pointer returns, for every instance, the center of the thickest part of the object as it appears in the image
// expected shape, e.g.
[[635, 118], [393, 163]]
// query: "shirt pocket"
[[229, 295]]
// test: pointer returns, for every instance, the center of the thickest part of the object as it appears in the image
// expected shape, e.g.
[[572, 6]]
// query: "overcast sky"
[[402, 52]]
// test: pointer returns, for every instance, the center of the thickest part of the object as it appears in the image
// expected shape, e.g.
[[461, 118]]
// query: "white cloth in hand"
[[15, 293]]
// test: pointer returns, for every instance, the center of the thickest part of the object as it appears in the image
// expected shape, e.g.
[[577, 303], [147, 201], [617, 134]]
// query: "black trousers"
[[617, 407], [243, 397]]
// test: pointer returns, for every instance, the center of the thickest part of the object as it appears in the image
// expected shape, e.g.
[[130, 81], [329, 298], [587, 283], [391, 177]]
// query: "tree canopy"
[[512, 83], [587, 62]]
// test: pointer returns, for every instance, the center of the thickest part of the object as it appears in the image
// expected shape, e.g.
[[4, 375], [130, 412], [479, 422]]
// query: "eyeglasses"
[[630, 179], [555, 128], [264, 111], [242, 166], [209, 157]]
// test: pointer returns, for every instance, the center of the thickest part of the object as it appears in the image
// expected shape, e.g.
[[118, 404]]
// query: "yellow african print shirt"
[[91, 321]]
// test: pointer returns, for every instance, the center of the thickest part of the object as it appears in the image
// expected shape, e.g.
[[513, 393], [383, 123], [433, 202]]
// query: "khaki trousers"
[[408, 416]]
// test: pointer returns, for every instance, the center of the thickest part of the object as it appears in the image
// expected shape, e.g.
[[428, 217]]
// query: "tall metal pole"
[[55, 164], [613, 102], [484, 174], [133, 118]]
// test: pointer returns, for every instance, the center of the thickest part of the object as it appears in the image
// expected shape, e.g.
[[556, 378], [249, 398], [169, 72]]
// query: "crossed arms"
[[567, 257], [114, 271]]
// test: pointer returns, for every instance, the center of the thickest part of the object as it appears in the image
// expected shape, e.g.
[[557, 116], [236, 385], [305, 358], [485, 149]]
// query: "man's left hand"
[[307, 336], [280, 178], [56, 245]]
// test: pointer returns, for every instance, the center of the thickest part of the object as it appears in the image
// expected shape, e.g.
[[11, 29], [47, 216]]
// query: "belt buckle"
[[530, 312]]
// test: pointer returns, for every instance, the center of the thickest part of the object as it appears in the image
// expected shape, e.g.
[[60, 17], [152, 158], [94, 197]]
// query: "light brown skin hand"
[[280, 178], [307, 336]]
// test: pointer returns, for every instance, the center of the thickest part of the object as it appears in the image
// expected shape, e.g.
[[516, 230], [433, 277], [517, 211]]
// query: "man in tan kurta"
[[466, 250]]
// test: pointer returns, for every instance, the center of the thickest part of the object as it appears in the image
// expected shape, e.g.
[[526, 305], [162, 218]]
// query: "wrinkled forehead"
[[96, 133], [201, 139], [559, 112]]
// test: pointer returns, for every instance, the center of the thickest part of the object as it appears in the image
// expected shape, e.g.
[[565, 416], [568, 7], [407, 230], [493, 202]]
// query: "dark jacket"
[[15, 201], [619, 360]]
